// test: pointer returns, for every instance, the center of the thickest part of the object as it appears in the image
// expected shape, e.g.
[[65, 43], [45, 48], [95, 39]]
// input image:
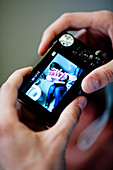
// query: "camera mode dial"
[[66, 40]]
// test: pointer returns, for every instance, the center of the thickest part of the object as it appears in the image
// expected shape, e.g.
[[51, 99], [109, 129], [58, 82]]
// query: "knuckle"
[[74, 115], [45, 31], [104, 76], [106, 11], [97, 76], [108, 15], [17, 72], [66, 17], [108, 75]]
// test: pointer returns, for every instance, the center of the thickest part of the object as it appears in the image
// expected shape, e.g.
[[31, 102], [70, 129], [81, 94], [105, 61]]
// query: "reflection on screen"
[[54, 82]]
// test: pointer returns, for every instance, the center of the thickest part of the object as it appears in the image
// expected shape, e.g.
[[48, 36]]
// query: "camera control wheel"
[[66, 40]]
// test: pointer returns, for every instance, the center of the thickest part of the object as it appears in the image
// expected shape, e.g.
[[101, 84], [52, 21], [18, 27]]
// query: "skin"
[[96, 29], [23, 148]]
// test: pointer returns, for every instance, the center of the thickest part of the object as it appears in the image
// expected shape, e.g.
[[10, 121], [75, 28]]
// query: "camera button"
[[92, 64], [74, 52]]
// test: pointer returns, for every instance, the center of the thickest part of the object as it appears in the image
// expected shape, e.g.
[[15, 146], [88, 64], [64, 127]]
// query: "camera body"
[[56, 80]]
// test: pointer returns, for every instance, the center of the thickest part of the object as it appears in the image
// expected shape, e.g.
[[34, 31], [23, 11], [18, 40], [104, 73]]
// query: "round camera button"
[[66, 40]]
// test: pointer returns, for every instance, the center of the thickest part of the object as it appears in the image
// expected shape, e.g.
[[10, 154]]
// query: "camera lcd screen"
[[49, 87]]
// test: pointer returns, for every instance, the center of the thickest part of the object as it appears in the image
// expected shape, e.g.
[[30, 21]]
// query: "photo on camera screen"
[[54, 82]]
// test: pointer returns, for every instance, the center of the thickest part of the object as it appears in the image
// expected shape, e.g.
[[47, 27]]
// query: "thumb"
[[98, 78], [70, 116]]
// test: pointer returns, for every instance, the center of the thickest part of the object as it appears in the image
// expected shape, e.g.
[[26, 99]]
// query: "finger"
[[108, 30], [82, 35], [66, 21], [76, 21], [110, 26], [69, 117], [98, 78], [8, 94], [17, 77]]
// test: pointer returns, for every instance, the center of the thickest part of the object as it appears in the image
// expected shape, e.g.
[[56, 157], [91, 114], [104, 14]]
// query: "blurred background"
[[23, 22]]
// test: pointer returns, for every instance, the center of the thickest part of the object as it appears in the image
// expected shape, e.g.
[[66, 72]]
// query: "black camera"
[[56, 80]]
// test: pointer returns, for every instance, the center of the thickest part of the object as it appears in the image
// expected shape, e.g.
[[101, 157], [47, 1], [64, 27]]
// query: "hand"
[[21, 147], [28, 118], [96, 31]]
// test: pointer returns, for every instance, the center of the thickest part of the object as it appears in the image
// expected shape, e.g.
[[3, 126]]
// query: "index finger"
[[65, 22], [94, 21]]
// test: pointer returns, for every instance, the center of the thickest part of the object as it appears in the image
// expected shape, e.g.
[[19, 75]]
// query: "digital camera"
[[56, 80]]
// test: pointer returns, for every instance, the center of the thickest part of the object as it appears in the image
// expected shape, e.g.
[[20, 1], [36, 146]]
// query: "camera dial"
[[66, 40]]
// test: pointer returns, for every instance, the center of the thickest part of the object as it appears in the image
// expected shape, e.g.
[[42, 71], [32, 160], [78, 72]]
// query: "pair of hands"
[[20, 146]]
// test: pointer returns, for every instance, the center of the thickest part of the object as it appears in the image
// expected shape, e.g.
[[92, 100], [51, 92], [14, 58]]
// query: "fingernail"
[[81, 102], [92, 84]]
